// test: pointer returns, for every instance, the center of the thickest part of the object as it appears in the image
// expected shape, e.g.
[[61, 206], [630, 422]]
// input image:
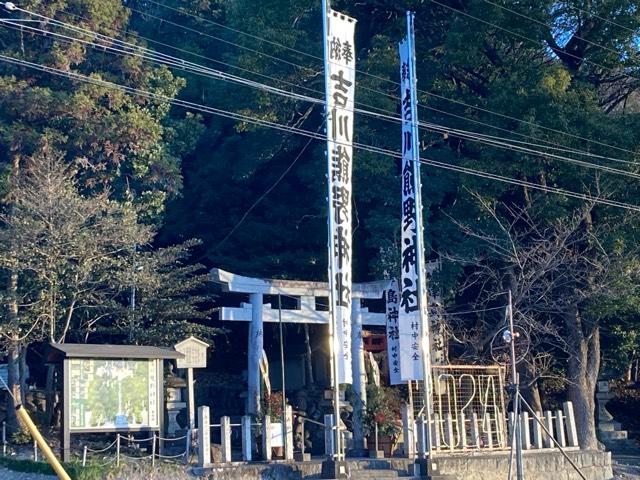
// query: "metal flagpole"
[[420, 258], [333, 338], [284, 391]]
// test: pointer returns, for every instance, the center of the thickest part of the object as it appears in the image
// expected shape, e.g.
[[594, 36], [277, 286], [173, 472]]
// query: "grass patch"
[[75, 470]]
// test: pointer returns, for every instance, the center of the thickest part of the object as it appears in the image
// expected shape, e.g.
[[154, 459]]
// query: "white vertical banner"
[[393, 337], [340, 71], [412, 296]]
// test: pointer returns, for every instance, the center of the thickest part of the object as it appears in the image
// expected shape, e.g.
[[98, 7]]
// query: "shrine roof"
[[59, 351]]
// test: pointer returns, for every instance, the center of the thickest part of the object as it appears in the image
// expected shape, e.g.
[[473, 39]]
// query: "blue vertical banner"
[[413, 325], [340, 72]]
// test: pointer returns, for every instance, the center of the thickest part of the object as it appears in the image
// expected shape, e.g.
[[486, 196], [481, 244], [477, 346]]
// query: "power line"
[[309, 134], [140, 51], [280, 45], [266, 192]]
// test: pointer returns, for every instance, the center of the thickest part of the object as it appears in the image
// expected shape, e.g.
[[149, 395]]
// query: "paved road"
[[626, 467], [12, 475]]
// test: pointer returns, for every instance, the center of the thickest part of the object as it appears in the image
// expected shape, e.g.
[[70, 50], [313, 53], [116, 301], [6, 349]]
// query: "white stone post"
[[570, 420], [256, 344], [408, 431], [475, 431], [247, 437], [560, 429], [266, 438], [204, 437], [486, 421], [548, 422], [329, 436], [537, 431], [225, 438], [462, 430], [525, 431], [288, 454], [359, 377], [421, 434], [451, 439]]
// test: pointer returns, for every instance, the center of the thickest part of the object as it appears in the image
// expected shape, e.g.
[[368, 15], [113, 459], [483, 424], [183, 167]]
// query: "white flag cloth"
[[393, 337], [340, 83], [409, 324]]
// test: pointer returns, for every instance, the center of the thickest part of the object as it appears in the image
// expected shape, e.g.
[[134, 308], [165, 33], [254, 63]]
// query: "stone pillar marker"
[[225, 438], [246, 422], [359, 378], [204, 437], [408, 431], [256, 344], [266, 438]]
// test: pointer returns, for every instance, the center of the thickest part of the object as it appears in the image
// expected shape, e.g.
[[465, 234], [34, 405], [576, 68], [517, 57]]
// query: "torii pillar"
[[257, 313]]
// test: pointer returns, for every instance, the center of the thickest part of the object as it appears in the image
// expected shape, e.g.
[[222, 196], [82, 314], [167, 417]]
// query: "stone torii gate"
[[256, 312]]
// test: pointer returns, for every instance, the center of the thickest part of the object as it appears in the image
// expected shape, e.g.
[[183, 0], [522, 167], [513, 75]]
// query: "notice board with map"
[[113, 394]]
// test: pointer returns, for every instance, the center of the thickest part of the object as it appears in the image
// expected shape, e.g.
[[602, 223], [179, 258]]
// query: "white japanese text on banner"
[[340, 90]]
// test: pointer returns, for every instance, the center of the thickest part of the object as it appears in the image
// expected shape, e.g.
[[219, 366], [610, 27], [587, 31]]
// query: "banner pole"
[[326, 8], [420, 257]]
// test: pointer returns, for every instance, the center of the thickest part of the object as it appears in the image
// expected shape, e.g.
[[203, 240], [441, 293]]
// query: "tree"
[[561, 273], [171, 297], [65, 247]]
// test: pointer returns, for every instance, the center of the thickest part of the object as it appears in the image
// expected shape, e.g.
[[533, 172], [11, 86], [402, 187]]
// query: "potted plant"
[[382, 415]]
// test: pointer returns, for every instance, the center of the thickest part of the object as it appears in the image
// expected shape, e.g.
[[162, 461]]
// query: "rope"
[[147, 457], [172, 439], [172, 456], [136, 440], [103, 449]]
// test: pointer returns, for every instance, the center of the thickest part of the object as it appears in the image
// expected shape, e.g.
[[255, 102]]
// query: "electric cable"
[[198, 69], [396, 84], [309, 134]]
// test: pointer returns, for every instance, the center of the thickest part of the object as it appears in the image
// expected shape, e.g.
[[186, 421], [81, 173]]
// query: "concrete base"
[[334, 469], [302, 457], [377, 454]]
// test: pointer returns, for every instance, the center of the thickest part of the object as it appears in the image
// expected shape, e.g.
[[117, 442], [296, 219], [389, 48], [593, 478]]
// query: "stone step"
[[609, 426], [614, 435], [376, 473]]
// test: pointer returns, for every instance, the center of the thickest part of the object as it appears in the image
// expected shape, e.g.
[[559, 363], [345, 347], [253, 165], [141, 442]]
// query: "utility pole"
[[516, 397]]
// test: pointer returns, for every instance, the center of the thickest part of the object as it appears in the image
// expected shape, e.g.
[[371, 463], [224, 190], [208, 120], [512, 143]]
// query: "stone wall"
[[540, 465]]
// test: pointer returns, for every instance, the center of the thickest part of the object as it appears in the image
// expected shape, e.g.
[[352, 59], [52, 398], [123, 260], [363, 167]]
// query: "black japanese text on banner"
[[410, 318], [393, 337], [340, 66]]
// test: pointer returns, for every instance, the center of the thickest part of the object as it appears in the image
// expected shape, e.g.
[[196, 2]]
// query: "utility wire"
[[310, 134], [266, 192], [140, 51], [386, 80]]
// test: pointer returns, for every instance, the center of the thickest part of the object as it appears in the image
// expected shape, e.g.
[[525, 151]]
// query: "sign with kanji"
[[340, 83], [393, 335], [412, 308], [195, 353]]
